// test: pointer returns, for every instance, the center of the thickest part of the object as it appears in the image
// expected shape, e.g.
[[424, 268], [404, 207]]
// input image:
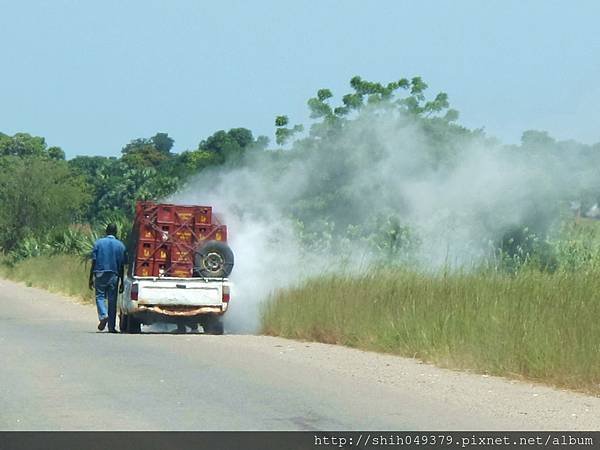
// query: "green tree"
[[56, 153], [162, 142], [23, 145], [539, 140], [231, 145], [37, 195], [102, 175], [143, 153], [191, 162], [284, 134]]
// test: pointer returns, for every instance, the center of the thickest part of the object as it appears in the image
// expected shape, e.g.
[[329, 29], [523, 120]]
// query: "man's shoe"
[[102, 324], [112, 330]]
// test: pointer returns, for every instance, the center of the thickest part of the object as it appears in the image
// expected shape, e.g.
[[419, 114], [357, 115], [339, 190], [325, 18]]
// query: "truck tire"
[[123, 323], [134, 326], [213, 260], [213, 325]]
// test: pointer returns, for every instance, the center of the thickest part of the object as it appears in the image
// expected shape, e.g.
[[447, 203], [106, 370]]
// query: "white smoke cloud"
[[380, 163], [267, 254]]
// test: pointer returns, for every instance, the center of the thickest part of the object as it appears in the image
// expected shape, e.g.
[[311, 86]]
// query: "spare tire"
[[214, 259]]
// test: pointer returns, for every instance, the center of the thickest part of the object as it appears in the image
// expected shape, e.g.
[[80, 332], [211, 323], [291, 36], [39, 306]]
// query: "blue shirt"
[[109, 255]]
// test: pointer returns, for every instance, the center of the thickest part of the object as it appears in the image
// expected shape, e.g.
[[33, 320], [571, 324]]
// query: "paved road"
[[58, 373]]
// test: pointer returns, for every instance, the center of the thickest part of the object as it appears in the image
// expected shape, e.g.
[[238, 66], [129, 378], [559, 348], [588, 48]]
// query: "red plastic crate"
[[211, 233], [160, 268], [147, 232], [203, 215], [161, 252], [165, 213], [181, 270], [164, 231], [184, 234], [220, 233], [184, 215], [202, 231], [145, 249], [182, 254], [144, 268]]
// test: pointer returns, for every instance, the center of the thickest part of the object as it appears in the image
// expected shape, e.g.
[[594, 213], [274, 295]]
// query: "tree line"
[[42, 194]]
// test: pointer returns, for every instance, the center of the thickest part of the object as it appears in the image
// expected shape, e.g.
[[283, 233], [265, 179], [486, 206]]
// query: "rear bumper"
[[149, 314], [179, 311]]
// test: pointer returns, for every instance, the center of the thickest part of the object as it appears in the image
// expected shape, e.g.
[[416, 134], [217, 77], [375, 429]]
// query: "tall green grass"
[[64, 274], [539, 326]]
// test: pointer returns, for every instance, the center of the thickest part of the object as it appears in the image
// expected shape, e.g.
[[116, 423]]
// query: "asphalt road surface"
[[58, 373]]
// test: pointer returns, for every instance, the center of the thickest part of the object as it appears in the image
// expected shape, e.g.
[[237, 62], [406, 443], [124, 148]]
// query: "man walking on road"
[[108, 263]]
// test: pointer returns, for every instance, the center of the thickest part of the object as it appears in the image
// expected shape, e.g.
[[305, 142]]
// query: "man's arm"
[[91, 282], [122, 278], [94, 254], [122, 272]]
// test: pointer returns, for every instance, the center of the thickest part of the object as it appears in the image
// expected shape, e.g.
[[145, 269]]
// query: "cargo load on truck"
[[179, 241]]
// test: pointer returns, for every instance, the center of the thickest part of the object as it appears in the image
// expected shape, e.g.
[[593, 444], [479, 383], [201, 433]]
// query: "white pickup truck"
[[187, 302], [178, 268]]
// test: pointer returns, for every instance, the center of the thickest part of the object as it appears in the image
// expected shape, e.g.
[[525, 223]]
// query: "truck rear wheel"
[[213, 325], [123, 323], [133, 325], [213, 260]]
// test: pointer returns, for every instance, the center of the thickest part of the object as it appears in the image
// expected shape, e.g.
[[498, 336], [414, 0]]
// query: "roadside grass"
[[537, 326], [63, 274]]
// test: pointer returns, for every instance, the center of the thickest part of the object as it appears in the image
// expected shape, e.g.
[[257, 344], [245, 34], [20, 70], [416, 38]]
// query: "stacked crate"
[[167, 237]]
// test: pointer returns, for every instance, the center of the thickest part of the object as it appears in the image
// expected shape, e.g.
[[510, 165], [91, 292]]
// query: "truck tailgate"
[[184, 292]]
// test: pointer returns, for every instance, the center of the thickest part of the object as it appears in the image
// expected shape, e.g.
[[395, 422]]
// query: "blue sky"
[[91, 76]]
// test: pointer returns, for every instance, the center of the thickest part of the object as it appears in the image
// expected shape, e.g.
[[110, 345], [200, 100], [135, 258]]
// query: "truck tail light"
[[225, 294], [134, 291]]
